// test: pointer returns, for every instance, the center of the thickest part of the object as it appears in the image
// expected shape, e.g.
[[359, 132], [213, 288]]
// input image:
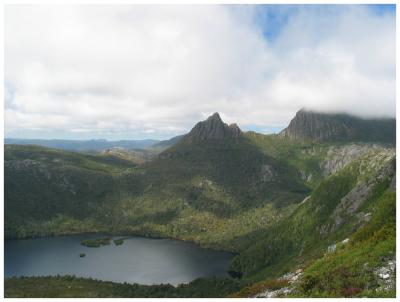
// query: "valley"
[[278, 201], [138, 260]]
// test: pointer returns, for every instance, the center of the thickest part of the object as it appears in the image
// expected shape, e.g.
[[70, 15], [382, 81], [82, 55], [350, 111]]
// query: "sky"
[[137, 71]]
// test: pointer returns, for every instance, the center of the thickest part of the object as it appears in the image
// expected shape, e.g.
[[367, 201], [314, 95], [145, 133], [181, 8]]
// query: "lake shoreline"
[[130, 234], [167, 260], [77, 287]]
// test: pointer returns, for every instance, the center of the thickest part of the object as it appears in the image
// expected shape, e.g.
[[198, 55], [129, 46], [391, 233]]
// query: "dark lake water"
[[138, 260]]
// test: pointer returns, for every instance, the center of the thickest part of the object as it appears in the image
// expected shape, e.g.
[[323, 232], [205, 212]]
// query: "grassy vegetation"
[[350, 270], [242, 196], [305, 233], [67, 158], [72, 287], [54, 192], [59, 225], [96, 242], [347, 272], [119, 241], [299, 231], [211, 194], [258, 287]]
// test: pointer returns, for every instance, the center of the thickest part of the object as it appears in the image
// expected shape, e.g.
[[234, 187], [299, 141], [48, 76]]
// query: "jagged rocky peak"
[[235, 128], [322, 127], [212, 128]]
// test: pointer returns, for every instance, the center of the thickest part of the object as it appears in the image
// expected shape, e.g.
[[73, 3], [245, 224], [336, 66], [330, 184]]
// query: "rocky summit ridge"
[[324, 127], [213, 128]]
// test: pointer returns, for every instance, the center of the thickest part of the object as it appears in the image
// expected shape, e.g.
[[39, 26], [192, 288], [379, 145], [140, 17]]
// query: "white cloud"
[[153, 71]]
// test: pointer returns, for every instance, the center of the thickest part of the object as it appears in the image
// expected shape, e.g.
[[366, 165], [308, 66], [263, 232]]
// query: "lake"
[[137, 260]]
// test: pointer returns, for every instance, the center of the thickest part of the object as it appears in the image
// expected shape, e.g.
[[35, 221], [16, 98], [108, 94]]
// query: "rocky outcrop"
[[134, 156], [291, 278], [351, 202], [338, 157], [323, 127], [267, 173], [213, 128], [386, 276]]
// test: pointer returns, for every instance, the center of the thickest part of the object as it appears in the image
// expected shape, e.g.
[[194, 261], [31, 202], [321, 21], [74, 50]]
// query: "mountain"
[[83, 145], [213, 128], [323, 127], [317, 208], [213, 173]]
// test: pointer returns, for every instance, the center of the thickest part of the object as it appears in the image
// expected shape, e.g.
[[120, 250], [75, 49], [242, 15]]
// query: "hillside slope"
[[52, 191], [280, 201], [205, 188]]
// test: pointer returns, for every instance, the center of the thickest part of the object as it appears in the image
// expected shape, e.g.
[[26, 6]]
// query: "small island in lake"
[[96, 242], [119, 241]]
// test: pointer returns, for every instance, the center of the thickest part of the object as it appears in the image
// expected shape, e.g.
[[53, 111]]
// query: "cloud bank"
[[153, 71]]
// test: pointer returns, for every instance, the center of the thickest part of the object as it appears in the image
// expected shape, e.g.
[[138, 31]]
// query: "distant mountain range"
[[314, 126], [83, 145], [167, 143]]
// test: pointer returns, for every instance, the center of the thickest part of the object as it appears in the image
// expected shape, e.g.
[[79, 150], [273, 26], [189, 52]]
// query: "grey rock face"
[[306, 199], [386, 276], [234, 129], [313, 126], [306, 177], [339, 157], [393, 184], [213, 128], [331, 249], [267, 173], [292, 277], [351, 202], [321, 127]]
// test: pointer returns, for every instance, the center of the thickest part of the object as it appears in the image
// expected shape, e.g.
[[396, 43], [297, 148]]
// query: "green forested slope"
[[213, 188], [72, 287], [278, 202], [330, 214], [353, 269], [52, 191]]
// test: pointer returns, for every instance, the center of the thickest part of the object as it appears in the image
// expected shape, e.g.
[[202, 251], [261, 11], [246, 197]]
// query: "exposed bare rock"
[[306, 199], [338, 157], [386, 276], [393, 184], [267, 173], [292, 278], [352, 201], [284, 291], [135, 156], [213, 128], [331, 249], [306, 177], [321, 127]]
